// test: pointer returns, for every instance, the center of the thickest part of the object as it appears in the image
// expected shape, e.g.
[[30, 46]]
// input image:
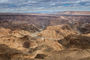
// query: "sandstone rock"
[[57, 32], [20, 33], [54, 44], [4, 32]]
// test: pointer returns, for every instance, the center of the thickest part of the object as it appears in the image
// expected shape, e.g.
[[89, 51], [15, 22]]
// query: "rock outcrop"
[[57, 32], [25, 44]]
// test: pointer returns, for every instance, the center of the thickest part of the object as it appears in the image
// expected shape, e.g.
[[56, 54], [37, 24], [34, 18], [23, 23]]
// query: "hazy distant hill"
[[74, 13]]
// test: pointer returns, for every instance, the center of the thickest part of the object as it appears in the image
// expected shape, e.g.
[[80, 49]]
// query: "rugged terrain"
[[44, 37]]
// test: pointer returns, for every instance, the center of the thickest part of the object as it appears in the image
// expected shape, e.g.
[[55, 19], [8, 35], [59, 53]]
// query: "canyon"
[[45, 36]]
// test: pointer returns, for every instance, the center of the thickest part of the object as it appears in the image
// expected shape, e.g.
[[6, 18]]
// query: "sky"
[[43, 6]]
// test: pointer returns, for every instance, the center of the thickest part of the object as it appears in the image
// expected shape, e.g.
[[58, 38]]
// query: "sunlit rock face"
[[57, 32], [44, 37], [24, 43]]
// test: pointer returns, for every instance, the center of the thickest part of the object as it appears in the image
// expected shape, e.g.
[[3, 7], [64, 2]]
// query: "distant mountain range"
[[74, 13], [50, 14]]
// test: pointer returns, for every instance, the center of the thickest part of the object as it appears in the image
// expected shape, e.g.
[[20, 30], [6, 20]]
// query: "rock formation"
[[44, 37]]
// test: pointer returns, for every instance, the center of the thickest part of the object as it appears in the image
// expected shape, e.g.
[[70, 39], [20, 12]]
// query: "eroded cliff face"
[[23, 41]]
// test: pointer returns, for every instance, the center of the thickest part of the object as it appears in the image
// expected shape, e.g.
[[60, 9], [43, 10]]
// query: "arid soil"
[[37, 37]]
